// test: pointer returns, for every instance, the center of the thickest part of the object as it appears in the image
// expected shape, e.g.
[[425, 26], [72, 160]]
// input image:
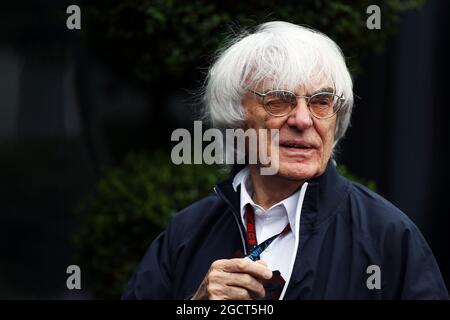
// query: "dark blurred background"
[[86, 117]]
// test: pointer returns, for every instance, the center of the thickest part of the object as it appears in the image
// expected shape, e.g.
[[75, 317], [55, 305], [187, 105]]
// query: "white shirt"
[[280, 255]]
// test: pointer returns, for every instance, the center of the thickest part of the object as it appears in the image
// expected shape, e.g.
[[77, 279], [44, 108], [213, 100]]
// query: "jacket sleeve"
[[413, 272], [152, 280]]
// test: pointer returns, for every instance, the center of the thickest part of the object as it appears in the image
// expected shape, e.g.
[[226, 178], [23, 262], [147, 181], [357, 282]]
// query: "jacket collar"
[[323, 196]]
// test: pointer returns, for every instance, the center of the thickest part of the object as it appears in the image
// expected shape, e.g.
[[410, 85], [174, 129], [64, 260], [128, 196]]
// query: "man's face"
[[306, 142]]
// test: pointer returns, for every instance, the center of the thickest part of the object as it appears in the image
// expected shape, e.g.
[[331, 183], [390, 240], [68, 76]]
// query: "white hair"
[[286, 55]]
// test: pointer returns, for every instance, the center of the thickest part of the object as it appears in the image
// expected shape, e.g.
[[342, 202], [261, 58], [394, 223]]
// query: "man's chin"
[[299, 172]]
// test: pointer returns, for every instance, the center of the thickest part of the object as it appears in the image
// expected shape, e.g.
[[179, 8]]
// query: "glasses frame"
[[307, 98]]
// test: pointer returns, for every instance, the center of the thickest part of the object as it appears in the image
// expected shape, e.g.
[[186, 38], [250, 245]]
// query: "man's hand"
[[233, 279]]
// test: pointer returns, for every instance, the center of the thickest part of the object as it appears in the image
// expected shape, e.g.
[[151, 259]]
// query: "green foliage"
[[166, 41], [132, 205]]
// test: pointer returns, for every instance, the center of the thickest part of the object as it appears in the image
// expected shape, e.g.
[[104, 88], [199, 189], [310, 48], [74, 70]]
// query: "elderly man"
[[305, 232]]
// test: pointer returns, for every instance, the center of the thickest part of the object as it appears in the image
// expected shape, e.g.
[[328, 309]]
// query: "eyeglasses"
[[321, 105]]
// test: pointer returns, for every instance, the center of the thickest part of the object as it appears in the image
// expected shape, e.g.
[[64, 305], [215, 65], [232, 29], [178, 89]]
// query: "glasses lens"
[[279, 102], [323, 105]]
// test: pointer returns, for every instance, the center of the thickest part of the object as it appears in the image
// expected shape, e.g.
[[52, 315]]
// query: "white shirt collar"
[[289, 204]]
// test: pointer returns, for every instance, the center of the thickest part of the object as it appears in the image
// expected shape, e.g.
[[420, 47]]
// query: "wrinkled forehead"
[[314, 83]]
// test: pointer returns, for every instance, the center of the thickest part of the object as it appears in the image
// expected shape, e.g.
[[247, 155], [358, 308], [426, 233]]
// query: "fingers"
[[228, 293], [247, 282], [263, 262], [234, 279], [245, 265], [242, 280]]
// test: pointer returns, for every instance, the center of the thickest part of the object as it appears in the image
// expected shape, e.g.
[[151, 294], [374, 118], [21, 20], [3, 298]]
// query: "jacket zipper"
[[235, 215]]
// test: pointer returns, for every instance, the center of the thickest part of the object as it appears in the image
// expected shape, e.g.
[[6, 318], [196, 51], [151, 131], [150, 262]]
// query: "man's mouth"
[[296, 145]]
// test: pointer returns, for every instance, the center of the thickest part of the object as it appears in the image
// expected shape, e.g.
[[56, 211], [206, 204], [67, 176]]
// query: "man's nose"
[[300, 116]]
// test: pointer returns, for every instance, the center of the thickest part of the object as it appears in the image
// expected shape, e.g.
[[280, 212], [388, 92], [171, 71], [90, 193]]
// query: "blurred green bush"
[[131, 206]]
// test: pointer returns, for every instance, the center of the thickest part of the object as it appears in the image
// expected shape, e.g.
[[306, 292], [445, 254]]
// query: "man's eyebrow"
[[326, 89]]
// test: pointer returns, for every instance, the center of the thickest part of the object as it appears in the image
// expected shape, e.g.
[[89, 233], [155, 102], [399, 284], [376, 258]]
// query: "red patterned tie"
[[251, 232]]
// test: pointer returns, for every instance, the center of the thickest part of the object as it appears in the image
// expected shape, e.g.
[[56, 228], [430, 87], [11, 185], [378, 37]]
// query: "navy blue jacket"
[[344, 228]]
